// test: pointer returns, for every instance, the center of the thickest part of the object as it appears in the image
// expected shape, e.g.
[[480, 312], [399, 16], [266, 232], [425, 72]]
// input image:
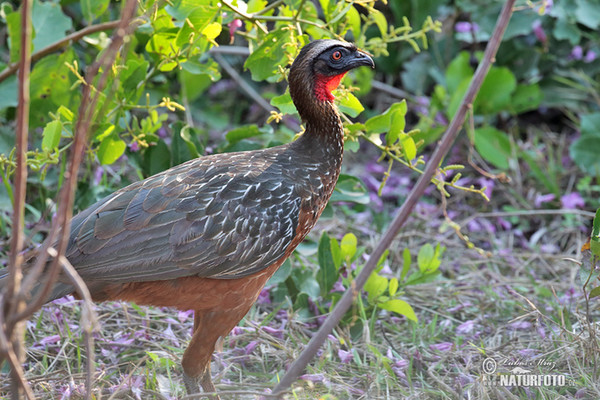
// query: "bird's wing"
[[211, 217]]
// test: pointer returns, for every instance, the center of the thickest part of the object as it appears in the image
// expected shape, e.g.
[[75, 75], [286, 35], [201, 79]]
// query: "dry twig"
[[432, 167]]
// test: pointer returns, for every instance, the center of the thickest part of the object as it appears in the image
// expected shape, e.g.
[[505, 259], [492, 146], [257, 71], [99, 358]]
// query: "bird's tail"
[[59, 289]]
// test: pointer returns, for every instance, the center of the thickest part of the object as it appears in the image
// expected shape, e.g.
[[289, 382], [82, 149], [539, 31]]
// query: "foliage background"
[[469, 278]]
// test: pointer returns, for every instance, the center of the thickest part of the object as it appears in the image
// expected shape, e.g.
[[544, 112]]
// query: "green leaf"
[[67, 114], [353, 20], [243, 132], [496, 91], [590, 124], [49, 22], [281, 274], [336, 253], [376, 286], [458, 70], [588, 13], [13, 22], [428, 259], [564, 30], [157, 158], [408, 146], [382, 123], [350, 105], [8, 92], [327, 273], [425, 257], [406, 263], [380, 21], [350, 188], [190, 137], [265, 60], [284, 103], [595, 235], [91, 9], [494, 146], [393, 287], [51, 135], [111, 148], [526, 98], [584, 151], [197, 21], [595, 292], [400, 307], [50, 87], [348, 245]]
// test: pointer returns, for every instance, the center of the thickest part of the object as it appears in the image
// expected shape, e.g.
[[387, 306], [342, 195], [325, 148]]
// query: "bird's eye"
[[336, 55]]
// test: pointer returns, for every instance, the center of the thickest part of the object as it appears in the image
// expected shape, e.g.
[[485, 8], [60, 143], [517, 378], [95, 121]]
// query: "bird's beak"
[[359, 59]]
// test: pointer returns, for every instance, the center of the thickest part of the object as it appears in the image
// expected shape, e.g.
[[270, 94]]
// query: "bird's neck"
[[323, 138]]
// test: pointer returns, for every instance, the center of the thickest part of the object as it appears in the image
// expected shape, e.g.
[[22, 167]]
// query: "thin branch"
[[73, 37], [89, 319], [242, 84], [442, 149], [16, 350], [67, 193], [7, 350]]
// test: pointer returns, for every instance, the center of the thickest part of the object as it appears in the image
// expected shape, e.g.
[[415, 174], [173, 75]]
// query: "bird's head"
[[320, 67]]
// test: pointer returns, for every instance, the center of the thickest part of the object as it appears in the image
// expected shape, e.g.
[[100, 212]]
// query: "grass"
[[522, 306]]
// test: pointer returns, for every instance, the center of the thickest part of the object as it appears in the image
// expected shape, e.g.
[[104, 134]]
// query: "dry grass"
[[522, 303]]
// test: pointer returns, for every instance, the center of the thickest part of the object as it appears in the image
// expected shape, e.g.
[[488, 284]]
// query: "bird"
[[206, 235]]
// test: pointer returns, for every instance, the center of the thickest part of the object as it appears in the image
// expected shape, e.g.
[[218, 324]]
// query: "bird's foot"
[[193, 384]]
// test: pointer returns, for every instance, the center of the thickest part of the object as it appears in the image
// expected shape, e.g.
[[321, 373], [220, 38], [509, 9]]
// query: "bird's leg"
[[192, 385], [196, 358]]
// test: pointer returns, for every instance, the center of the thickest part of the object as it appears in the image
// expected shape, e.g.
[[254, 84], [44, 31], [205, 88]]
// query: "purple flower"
[[465, 327], [590, 56], [182, 316], [576, 53], [541, 331], [543, 198], [488, 184], [528, 353], [278, 333], [250, 347], [134, 146], [98, 175], [345, 356], [520, 325], [571, 201], [538, 31], [264, 297], [464, 27], [444, 346]]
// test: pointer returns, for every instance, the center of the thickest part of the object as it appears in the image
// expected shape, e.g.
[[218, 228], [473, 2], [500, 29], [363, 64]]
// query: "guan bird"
[[206, 235]]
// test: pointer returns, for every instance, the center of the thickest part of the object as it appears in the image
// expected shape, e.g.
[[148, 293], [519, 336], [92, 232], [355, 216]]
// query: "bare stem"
[[15, 349], [442, 149], [73, 37]]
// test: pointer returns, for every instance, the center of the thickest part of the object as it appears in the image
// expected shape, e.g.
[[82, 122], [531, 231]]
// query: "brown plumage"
[[207, 235]]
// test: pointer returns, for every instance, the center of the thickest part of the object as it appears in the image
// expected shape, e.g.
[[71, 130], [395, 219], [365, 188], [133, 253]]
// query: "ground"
[[511, 294]]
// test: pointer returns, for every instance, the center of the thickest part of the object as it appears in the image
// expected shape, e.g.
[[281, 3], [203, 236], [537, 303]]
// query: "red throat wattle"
[[324, 85]]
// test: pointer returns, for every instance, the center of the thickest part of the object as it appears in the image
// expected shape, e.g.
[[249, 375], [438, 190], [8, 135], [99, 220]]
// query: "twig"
[[14, 337], [442, 149], [67, 193], [393, 91], [6, 349], [73, 37], [89, 319], [242, 84]]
